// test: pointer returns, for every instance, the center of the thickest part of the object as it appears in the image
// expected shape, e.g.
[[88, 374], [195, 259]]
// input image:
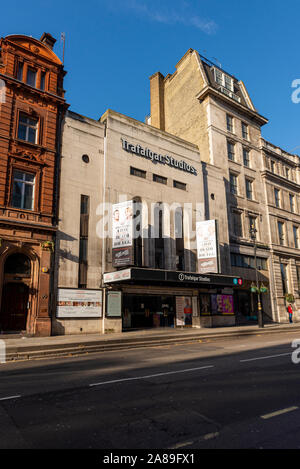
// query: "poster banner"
[[222, 304], [207, 252], [122, 234], [114, 304], [184, 311], [76, 303]]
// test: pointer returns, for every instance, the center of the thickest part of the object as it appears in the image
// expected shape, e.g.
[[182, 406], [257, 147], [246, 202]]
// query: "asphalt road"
[[229, 393]]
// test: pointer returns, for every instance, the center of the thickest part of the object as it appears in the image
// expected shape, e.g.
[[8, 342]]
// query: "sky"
[[113, 47]]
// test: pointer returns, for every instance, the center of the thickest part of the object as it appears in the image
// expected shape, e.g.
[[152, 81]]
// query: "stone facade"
[[81, 175], [113, 174], [280, 174], [31, 108], [212, 109]]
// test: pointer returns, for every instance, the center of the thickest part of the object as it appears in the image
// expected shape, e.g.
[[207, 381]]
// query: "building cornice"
[[267, 174], [252, 115], [35, 91]]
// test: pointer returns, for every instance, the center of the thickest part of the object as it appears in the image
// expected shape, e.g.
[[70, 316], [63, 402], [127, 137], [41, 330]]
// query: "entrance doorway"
[[15, 293], [148, 311], [246, 307], [14, 306]]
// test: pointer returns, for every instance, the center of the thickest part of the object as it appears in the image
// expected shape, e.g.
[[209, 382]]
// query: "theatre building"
[[131, 212], [31, 107]]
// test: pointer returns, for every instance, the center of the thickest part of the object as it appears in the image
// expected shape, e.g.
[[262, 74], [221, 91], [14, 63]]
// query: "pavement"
[[20, 348]]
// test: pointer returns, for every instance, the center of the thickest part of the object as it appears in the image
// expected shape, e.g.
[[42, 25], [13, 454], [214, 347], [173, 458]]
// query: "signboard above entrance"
[[137, 274], [157, 157]]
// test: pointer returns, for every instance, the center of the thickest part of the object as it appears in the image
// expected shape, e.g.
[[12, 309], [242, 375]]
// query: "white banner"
[[122, 225], [207, 246], [75, 303]]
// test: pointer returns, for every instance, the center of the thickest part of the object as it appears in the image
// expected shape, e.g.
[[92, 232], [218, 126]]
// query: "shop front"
[[158, 298]]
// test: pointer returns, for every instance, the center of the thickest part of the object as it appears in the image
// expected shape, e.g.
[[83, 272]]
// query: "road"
[[229, 393]]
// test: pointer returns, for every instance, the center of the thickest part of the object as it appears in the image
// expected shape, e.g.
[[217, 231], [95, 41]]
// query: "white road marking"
[[181, 445], [278, 412], [265, 357], [208, 436], [151, 376], [9, 397]]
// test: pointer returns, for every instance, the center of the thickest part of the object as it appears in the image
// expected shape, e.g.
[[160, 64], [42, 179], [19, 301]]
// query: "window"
[[43, 81], [249, 189], [281, 232], [20, 71], [272, 166], [252, 224], [228, 82], [233, 184], [31, 77], [277, 197], [179, 238], [229, 122], [237, 224], [84, 205], [223, 79], [283, 272], [85, 158], [27, 128], [23, 190], [179, 185], [295, 233], [83, 241], [219, 77], [138, 231], [245, 131], [287, 172], [137, 172], [158, 234], [292, 202], [248, 262], [230, 151], [160, 179], [246, 157], [298, 276], [18, 264]]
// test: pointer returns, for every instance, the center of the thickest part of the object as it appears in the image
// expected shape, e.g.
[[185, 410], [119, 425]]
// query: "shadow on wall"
[[224, 248], [66, 254]]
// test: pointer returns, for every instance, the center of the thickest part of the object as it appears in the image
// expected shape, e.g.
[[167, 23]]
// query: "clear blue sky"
[[113, 46]]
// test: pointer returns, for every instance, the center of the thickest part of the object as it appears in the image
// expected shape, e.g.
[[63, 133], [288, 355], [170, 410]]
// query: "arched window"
[[18, 264]]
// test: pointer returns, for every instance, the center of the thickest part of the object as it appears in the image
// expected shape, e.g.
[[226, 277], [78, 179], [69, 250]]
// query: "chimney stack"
[[157, 99], [48, 40]]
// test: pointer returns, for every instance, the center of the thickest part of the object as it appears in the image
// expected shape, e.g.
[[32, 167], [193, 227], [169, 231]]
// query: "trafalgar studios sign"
[[157, 157], [207, 250], [122, 234]]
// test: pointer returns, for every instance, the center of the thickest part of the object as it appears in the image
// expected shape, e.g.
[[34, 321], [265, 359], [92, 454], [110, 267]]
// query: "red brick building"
[[32, 106]]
